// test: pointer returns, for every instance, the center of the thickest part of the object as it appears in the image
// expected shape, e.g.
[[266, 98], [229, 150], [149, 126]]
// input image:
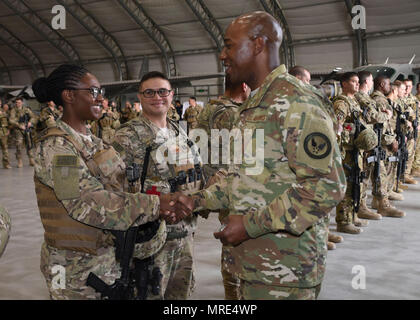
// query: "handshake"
[[175, 206]]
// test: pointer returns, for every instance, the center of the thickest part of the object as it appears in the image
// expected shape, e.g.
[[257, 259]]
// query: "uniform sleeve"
[[84, 196], [4, 229], [313, 155], [32, 117], [13, 119]]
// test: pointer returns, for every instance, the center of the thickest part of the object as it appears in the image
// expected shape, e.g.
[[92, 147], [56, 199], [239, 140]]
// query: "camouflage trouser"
[[66, 271], [345, 209], [416, 162], [391, 176], [368, 172], [231, 283], [410, 149], [4, 149], [20, 144], [175, 261], [382, 185], [261, 291]]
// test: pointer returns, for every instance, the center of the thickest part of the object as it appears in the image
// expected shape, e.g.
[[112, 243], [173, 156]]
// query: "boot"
[[402, 186], [386, 210], [19, 163], [349, 228], [360, 222], [395, 196], [409, 180], [31, 162], [6, 165], [334, 238], [415, 173], [365, 213], [331, 246]]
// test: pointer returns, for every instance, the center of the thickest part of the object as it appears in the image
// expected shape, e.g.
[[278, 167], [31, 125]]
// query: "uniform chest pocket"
[[108, 163]]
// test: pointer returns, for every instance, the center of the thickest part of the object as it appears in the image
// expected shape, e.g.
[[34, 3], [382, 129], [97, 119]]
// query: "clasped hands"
[[175, 206]]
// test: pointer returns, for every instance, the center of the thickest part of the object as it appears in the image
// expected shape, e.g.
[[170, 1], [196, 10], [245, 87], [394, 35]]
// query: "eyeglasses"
[[94, 91], [150, 93]]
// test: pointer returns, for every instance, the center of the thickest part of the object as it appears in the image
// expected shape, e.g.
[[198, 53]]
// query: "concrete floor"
[[387, 253]]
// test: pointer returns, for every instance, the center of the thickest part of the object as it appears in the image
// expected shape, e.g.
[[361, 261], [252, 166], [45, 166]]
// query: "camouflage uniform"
[[220, 114], [48, 117], [15, 120], [191, 116], [416, 163], [173, 114], [175, 259], [4, 228], [371, 115], [105, 127], [285, 207], [346, 109], [4, 133], [410, 103], [61, 167]]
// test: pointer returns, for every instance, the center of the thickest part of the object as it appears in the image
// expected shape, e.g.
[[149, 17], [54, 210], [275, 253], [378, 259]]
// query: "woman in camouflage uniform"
[[76, 178]]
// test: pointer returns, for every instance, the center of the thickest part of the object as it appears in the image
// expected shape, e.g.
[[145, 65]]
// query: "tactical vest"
[[61, 231]]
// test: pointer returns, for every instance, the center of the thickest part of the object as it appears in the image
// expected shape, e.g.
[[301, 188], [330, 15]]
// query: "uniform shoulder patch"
[[317, 145]]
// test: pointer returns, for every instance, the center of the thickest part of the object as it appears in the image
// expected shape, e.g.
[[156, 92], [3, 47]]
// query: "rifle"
[[402, 153], [378, 155], [356, 174], [27, 132], [122, 288]]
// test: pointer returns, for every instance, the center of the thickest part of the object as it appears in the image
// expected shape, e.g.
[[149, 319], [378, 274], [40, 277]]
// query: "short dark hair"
[[152, 75], [408, 80], [64, 77], [19, 98], [298, 71], [347, 76], [193, 98], [177, 101], [363, 75], [378, 80]]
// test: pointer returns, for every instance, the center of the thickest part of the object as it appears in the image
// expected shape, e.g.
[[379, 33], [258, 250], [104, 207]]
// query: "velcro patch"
[[65, 174]]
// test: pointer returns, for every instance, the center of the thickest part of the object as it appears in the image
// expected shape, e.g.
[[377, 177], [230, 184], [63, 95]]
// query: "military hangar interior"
[[120, 40]]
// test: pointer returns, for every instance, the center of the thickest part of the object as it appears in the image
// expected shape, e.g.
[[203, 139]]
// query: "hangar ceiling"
[[113, 38]]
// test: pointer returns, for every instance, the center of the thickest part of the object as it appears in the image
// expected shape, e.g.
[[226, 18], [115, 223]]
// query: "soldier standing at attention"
[[4, 134], [220, 114], [4, 228], [169, 162], [172, 113], [371, 115], [348, 113], [415, 171], [77, 183], [382, 88], [305, 76], [279, 206], [105, 127], [191, 114], [48, 116], [21, 119]]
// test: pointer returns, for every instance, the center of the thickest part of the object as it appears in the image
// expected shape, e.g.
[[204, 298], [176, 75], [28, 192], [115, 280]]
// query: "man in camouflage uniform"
[[172, 113], [305, 76], [17, 121], [220, 114], [169, 157], [348, 112], [279, 205], [415, 171], [382, 88], [4, 134], [48, 116], [371, 115], [191, 114], [4, 229], [411, 103], [105, 127]]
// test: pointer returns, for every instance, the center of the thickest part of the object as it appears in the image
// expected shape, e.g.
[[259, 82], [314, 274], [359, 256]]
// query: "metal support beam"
[[99, 33], [208, 21], [273, 7], [139, 15], [25, 52], [28, 15], [361, 45], [5, 72]]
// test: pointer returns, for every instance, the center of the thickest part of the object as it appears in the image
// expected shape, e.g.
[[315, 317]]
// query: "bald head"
[[251, 51], [301, 73]]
